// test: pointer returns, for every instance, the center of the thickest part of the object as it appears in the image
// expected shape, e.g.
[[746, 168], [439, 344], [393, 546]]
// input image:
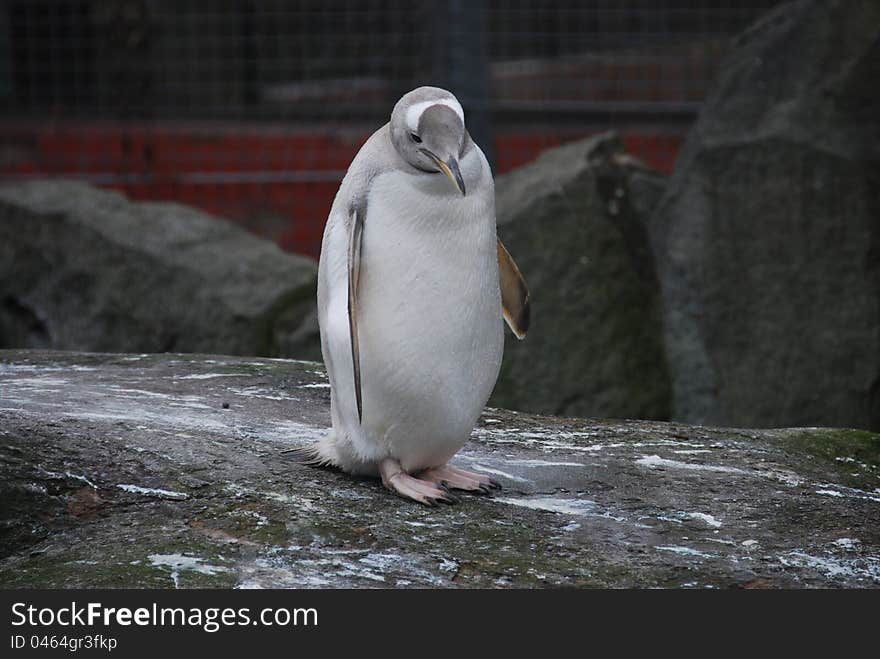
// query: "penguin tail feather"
[[320, 454]]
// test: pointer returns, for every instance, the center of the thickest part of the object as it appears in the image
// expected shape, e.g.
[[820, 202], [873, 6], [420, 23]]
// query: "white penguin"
[[410, 289]]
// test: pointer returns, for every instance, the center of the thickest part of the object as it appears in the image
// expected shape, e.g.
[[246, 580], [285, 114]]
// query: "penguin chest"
[[430, 314]]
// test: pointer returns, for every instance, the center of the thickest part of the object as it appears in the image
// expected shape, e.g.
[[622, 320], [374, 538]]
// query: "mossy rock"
[[128, 471]]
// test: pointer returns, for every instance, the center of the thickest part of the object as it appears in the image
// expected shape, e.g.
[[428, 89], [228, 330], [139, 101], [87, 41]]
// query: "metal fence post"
[[461, 64]]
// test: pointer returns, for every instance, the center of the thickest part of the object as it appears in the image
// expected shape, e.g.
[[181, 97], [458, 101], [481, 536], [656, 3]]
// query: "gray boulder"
[[573, 220], [86, 269], [767, 237], [163, 471]]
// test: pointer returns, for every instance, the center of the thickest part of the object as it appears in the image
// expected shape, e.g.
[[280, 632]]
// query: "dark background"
[[715, 259], [252, 110]]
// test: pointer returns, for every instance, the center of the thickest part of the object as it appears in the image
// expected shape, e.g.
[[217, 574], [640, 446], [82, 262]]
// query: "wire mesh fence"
[[253, 109]]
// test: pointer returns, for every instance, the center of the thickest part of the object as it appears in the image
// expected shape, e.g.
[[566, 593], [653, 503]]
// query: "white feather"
[[414, 113], [431, 333]]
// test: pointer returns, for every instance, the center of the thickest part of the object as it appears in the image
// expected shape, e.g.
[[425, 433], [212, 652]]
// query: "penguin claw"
[[403, 484], [436, 501], [434, 486], [448, 477]]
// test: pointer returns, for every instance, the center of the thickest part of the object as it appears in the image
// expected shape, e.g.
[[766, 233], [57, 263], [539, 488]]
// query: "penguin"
[[414, 288]]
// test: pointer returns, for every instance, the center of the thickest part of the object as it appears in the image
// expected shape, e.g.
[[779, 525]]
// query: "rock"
[[127, 470], [573, 220], [86, 269], [767, 237]]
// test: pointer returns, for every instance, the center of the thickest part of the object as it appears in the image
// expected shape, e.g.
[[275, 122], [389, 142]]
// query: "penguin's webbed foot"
[[398, 481], [459, 479]]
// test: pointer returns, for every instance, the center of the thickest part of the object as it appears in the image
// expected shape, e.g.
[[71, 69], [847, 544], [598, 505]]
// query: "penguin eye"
[[415, 138]]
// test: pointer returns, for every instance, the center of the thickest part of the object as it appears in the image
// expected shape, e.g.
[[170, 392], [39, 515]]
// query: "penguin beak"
[[450, 168], [452, 171]]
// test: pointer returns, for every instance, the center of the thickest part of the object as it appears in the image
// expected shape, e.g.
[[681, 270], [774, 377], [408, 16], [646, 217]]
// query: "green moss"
[[126, 570], [253, 522], [852, 456], [63, 571], [860, 446]]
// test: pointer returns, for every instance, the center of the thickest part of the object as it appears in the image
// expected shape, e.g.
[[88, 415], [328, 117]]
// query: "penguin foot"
[[459, 479], [398, 481]]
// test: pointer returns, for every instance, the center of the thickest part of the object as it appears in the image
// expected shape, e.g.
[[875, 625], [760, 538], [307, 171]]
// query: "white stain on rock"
[[448, 565], [35, 383], [153, 492], [835, 567], [544, 463], [261, 392], [553, 504], [181, 562], [848, 543], [260, 519], [291, 432], [656, 462], [209, 376], [850, 492], [720, 541], [497, 472], [684, 551], [137, 392], [707, 519], [82, 479]]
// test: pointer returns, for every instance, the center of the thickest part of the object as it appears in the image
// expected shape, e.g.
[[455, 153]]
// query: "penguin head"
[[427, 129]]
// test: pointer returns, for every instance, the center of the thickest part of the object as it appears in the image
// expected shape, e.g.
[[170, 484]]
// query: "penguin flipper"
[[515, 302], [355, 241]]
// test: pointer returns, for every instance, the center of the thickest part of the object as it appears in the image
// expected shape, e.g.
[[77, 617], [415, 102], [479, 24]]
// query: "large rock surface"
[[127, 470], [767, 238], [86, 269], [574, 222]]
